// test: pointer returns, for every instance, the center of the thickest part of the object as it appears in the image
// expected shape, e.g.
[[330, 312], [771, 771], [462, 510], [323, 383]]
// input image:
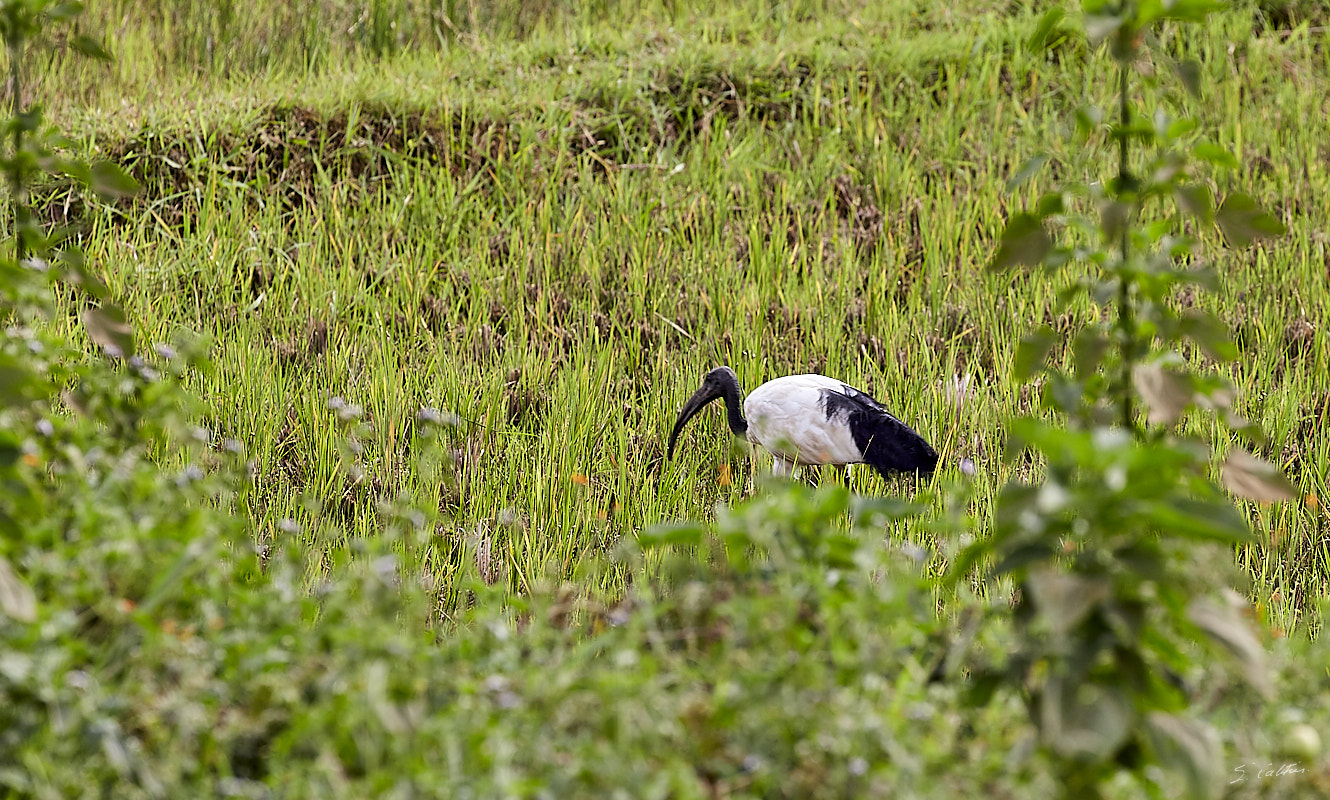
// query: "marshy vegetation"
[[547, 221]]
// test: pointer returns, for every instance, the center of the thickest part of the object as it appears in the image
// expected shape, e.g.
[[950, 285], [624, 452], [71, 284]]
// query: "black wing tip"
[[927, 463], [914, 455]]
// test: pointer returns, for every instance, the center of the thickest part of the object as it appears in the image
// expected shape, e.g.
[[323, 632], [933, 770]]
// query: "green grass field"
[[551, 219], [551, 224]]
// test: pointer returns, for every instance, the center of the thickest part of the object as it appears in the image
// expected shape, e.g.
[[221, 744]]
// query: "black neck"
[[729, 390]]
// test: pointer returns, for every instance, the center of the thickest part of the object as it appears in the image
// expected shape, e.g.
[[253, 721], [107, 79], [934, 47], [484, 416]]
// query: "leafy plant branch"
[[1110, 608]]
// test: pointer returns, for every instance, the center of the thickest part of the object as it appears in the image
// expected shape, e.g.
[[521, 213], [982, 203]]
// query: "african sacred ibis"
[[812, 419]]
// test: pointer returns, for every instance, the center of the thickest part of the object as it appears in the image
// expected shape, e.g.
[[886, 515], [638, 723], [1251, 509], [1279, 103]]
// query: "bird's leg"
[[847, 476]]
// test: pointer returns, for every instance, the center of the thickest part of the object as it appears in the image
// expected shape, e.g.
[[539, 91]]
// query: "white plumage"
[[813, 419], [784, 417]]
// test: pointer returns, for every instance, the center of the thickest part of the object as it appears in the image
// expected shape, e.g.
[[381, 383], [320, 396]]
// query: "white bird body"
[[813, 419], [784, 415]]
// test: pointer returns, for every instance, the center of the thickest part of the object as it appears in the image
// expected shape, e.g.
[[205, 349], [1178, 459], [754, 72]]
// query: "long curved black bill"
[[700, 398]]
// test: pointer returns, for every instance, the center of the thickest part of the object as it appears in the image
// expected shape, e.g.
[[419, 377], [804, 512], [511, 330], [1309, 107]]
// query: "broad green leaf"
[[1212, 392], [1113, 219], [1165, 170], [1085, 721], [107, 327], [76, 273], [1018, 558], [983, 684], [1027, 171], [967, 559], [1189, 72], [1050, 203], [1198, 519], [1023, 242], [17, 383], [17, 600], [1166, 392], [90, 47], [685, 533], [1214, 154], [1243, 220], [1088, 120], [1063, 599], [1032, 352], [1088, 349], [1210, 334], [1099, 27], [1239, 424], [63, 12], [1195, 199], [1190, 747], [1255, 479], [1190, 10], [1180, 127], [111, 182], [1223, 623]]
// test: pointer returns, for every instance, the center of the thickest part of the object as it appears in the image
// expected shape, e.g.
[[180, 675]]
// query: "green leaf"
[[1243, 220], [1214, 154], [1027, 171], [1084, 721], [17, 383], [1179, 127], [110, 182], [1223, 623], [1063, 599], [1043, 32], [76, 273], [1190, 10], [1255, 479], [967, 559], [1198, 519], [63, 12], [17, 600], [1189, 72], [1018, 558], [1088, 120], [1050, 203], [1088, 349], [1023, 242], [1166, 392], [107, 327], [1032, 352], [1195, 199], [982, 686], [1239, 424], [90, 47], [1210, 334], [1190, 747], [1113, 219], [684, 533], [1099, 27]]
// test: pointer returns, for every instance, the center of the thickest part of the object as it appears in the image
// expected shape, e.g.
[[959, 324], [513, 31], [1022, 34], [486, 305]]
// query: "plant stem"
[[16, 171], [1126, 315]]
